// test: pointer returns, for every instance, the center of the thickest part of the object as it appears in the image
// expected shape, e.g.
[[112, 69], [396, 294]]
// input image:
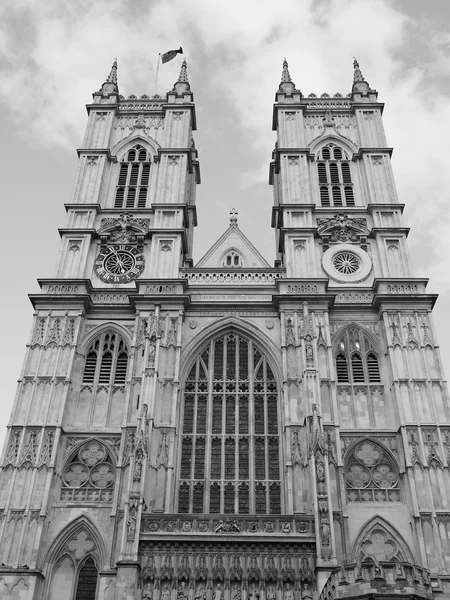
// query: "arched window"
[[335, 182], [106, 360], [230, 454], [371, 475], [232, 259], [356, 348], [87, 581], [134, 175], [89, 475]]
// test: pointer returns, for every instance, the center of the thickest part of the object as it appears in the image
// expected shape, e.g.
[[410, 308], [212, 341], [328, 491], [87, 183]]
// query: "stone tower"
[[229, 431]]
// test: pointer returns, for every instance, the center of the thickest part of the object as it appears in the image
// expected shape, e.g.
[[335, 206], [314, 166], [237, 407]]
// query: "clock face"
[[119, 264]]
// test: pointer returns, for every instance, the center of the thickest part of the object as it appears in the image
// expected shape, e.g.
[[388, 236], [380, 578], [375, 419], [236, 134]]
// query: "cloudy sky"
[[54, 54]]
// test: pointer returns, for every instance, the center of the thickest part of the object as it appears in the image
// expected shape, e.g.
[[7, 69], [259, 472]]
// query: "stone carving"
[[124, 230], [13, 448], [410, 337], [239, 277], [133, 505], [218, 593], [200, 594], [201, 570], [227, 526], [69, 333], [163, 451], [149, 570], [270, 572], [426, 336], [395, 335], [172, 334], [218, 568], [236, 569], [342, 228], [253, 592], [184, 570], [270, 594], [296, 452], [289, 329], [140, 448], [165, 594], [236, 592], [253, 572], [38, 336], [54, 333], [182, 592], [129, 447], [29, 451], [147, 592], [307, 334], [288, 572], [325, 531], [167, 568], [288, 592]]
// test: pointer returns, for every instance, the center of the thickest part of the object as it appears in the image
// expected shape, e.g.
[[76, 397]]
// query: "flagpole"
[[157, 73]]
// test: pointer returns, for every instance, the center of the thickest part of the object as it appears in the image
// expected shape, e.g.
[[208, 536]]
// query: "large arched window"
[[356, 359], [371, 475], [335, 182], [106, 361], [134, 176], [230, 454]]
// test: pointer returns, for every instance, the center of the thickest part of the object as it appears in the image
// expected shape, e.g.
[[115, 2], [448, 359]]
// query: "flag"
[[170, 54]]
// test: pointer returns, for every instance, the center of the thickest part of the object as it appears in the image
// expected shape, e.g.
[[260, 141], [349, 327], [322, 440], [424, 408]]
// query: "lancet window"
[[232, 260], [230, 454], [106, 360], [335, 181], [356, 360], [134, 176], [371, 475]]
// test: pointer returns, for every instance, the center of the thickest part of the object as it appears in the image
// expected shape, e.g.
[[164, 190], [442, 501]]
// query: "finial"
[[285, 75], [233, 216], [183, 77], [112, 77], [357, 75]]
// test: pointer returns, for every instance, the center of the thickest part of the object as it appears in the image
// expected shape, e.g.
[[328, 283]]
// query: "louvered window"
[[106, 360], [335, 182], [230, 453], [133, 181], [355, 348]]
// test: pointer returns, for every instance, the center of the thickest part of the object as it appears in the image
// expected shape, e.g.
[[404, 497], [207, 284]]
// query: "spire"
[[285, 75], [110, 87], [112, 77], [287, 86], [183, 76], [357, 75], [360, 85], [182, 85]]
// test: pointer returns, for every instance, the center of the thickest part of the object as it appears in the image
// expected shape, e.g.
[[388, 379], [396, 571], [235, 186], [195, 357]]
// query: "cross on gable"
[[81, 544]]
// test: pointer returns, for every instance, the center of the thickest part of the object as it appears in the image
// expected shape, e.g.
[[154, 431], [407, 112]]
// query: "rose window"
[[346, 263], [90, 475], [371, 476]]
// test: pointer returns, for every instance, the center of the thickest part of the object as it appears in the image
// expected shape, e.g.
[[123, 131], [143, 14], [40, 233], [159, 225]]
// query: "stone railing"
[[234, 277]]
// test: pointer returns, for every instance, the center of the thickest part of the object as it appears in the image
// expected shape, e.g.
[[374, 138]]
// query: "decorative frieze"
[[186, 524], [235, 277]]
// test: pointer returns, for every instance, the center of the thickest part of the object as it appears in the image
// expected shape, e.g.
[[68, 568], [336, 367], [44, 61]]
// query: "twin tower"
[[229, 430]]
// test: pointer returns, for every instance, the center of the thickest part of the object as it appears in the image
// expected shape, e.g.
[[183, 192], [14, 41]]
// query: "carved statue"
[[325, 529], [288, 593], [253, 594], [306, 592], [165, 593], [201, 593], [147, 593], [218, 593], [182, 592], [236, 592], [270, 595]]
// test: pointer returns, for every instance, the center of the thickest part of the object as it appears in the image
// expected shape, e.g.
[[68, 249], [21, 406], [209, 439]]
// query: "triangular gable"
[[233, 240]]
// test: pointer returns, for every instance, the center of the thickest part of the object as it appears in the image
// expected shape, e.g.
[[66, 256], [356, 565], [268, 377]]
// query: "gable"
[[233, 241]]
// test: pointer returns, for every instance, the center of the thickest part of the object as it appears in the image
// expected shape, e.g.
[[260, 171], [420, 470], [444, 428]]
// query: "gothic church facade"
[[229, 430]]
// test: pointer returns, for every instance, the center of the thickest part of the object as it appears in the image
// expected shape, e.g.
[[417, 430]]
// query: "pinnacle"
[[285, 75], [357, 75], [112, 77], [183, 76]]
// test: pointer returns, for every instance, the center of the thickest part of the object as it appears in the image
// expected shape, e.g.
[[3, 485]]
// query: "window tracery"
[[106, 360], [89, 476], [335, 181], [356, 359], [232, 259], [370, 475], [230, 434], [133, 180]]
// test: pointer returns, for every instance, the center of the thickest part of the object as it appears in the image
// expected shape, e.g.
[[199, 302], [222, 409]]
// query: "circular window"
[[346, 263]]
